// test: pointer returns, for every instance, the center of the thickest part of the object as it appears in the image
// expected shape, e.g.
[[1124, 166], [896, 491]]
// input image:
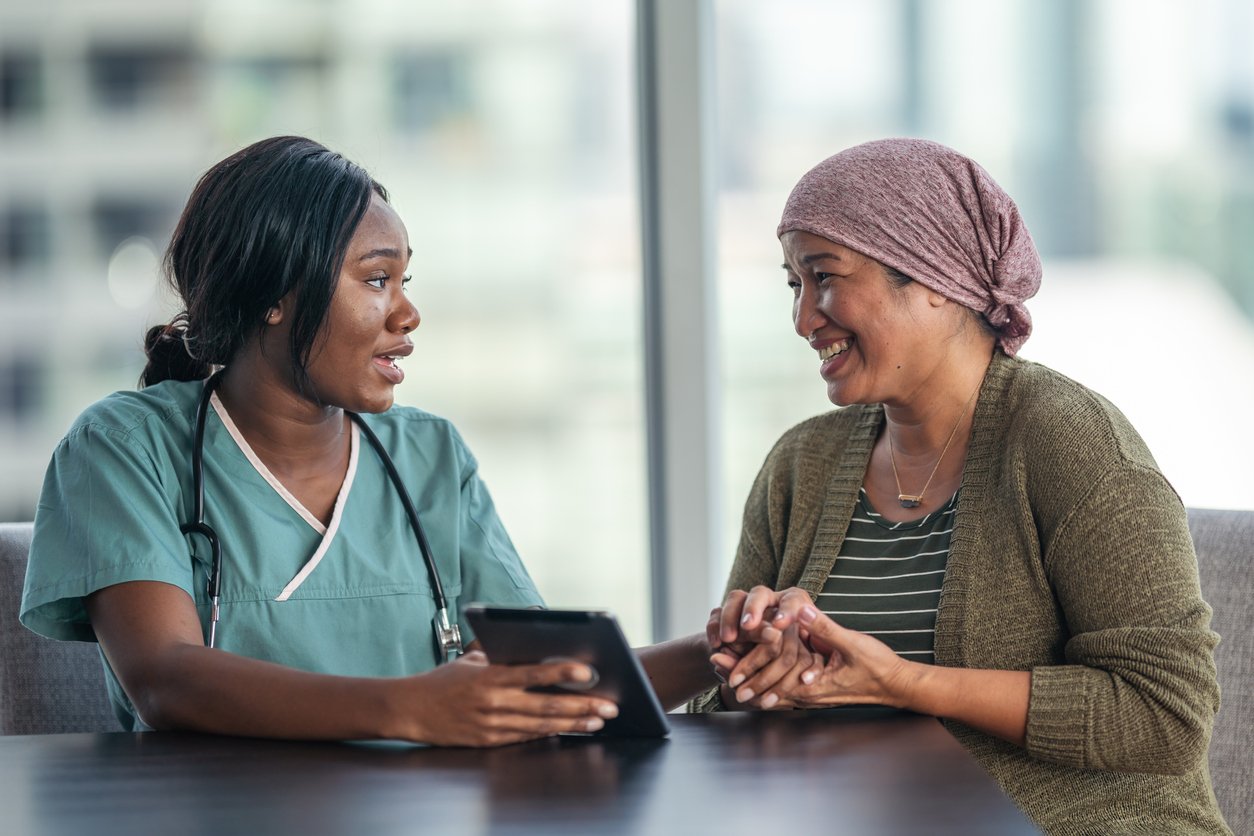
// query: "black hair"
[[900, 280], [270, 220]]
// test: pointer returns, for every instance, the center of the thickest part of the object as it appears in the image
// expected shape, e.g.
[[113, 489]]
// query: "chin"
[[373, 405], [841, 394]]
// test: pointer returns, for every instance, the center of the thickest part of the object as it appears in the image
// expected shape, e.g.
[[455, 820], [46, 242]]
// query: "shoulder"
[[407, 430], [1052, 414], [139, 416], [823, 436]]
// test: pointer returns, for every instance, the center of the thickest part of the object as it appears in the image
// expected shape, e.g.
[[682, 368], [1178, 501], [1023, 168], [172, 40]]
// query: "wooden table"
[[769, 773]]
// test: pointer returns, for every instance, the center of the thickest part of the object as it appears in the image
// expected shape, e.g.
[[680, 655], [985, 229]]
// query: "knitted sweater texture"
[[1071, 558]]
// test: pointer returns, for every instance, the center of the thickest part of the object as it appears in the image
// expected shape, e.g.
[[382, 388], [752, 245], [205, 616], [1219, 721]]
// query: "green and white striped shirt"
[[887, 579]]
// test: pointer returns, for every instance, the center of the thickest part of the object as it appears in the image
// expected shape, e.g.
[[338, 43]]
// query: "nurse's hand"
[[472, 703]]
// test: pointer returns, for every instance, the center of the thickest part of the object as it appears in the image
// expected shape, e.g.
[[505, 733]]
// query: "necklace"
[[908, 500]]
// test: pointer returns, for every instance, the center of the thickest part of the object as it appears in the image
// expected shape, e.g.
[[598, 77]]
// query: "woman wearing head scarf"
[[971, 535]]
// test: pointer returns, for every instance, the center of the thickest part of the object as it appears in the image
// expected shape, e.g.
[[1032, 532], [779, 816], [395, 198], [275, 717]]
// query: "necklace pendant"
[[908, 501]]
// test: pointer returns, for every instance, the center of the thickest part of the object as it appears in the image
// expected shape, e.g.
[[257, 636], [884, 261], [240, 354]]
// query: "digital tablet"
[[528, 636]]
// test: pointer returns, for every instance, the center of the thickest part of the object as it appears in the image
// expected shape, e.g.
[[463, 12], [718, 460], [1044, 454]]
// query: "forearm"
[[196, 688], [679, 669], [992, 701]]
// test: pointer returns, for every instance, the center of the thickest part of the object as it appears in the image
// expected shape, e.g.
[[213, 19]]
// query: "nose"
[[404, 317], [806, 316]]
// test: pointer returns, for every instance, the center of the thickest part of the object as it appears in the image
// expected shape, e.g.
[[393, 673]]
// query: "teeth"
[[834, 349]]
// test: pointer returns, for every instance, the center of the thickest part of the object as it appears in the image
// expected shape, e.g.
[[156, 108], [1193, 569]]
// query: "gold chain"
[[914, 500]]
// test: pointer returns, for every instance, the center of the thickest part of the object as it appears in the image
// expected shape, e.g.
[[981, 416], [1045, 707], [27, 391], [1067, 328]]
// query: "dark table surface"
[[774, 773]]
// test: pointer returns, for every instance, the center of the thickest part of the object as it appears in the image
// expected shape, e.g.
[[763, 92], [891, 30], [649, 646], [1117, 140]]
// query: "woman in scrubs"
[[291, 264]]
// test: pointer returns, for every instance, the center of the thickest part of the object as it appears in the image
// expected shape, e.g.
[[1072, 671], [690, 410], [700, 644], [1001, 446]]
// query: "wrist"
[[911, 686], [396, 708]]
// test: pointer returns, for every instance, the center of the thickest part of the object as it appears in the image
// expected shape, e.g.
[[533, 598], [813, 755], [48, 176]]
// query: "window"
[[116, 218], [24, 237], [21, 84], [21, 396], [126, 77]]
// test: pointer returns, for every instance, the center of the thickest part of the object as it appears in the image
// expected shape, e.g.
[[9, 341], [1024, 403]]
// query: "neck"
[[922, 424], [289, 431]]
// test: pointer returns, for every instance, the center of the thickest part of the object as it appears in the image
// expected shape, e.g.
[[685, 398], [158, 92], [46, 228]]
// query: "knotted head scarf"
[[931, 213]]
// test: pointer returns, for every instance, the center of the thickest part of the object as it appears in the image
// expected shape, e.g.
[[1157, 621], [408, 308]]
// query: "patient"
[[971, 535]]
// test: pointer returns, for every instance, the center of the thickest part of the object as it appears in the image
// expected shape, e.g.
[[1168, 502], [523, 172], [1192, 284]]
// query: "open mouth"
[[839, 347], [389, 367]]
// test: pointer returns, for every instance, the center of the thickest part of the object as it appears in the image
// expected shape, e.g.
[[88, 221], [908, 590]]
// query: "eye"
[[822, 278], [405, 280], [379, 281]]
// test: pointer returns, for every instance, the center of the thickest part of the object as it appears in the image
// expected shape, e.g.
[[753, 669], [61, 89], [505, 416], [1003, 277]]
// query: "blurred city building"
[[505, 131]]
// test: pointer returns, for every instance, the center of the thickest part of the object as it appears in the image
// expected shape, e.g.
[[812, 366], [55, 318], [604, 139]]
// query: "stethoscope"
[[448, 634]]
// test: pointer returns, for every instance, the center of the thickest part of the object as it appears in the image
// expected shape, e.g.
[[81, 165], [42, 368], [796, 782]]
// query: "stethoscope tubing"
[[448, 636]]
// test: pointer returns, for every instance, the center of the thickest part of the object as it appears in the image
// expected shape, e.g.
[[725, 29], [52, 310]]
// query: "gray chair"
[[46, 686], [1225, 558]]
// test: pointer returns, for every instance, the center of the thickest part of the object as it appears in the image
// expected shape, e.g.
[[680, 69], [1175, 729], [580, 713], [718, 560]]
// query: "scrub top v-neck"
[[352, 598]]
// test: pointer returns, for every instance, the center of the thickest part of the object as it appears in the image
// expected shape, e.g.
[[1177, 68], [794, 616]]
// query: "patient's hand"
[[758, 661]]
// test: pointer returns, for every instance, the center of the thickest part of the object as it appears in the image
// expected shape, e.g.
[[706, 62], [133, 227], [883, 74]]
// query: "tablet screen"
[[513, 636]]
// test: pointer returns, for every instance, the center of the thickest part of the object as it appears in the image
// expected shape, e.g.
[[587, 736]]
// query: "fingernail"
[[807, 677], [594, 724], [808, 614], [769, 700], [736, 679], [744, 695], [607, 711], [744, 619], [779, 616]]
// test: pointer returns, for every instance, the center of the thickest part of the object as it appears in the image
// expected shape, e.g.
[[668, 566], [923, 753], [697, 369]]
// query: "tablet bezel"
[[514, 636]]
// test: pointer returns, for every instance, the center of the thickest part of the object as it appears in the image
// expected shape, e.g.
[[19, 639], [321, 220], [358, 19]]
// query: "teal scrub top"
[[119, 487]]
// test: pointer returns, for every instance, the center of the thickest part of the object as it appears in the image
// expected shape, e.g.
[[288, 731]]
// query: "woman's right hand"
[[472, 703]]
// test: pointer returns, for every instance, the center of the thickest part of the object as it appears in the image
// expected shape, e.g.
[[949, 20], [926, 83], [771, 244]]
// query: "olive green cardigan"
[[1071, 558]]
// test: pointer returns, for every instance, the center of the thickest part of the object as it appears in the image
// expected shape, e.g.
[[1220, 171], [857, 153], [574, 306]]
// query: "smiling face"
[[877, 342], [354, 362]]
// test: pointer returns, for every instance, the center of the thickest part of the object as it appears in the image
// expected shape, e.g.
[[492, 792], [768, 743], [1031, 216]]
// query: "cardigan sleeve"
[[1138, 690]]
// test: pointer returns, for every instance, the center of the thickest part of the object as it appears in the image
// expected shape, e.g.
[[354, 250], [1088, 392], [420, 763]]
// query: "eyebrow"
[[813, 257], [386, 252]]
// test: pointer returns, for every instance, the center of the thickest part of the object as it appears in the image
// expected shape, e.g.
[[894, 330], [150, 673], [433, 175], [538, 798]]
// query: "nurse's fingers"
[[729, 618], [574, 674]]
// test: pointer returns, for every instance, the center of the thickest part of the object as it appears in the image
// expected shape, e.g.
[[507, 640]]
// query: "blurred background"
[[506, 131]]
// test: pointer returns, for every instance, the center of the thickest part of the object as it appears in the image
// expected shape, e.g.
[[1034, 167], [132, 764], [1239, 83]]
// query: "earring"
[[271, 315]]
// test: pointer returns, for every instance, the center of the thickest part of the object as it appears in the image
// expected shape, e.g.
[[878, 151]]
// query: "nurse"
[[291, 265]]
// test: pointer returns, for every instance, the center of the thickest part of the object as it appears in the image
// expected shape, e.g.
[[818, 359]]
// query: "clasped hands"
[[775, 650]]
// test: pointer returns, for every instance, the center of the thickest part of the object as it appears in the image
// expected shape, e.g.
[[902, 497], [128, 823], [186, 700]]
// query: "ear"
[[937, 300]]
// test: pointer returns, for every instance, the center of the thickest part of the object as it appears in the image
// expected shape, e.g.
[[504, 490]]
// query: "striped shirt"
[[887, 579]]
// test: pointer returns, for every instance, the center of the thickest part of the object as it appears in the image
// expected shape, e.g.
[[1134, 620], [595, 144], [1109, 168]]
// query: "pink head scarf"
[[932, 214]]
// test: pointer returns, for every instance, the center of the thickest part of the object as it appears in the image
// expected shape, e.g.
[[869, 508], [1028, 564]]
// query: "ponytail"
[[169, 354]]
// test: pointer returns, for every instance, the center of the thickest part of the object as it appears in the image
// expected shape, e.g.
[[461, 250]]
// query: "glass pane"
[[504, 130], [1124, 130]]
